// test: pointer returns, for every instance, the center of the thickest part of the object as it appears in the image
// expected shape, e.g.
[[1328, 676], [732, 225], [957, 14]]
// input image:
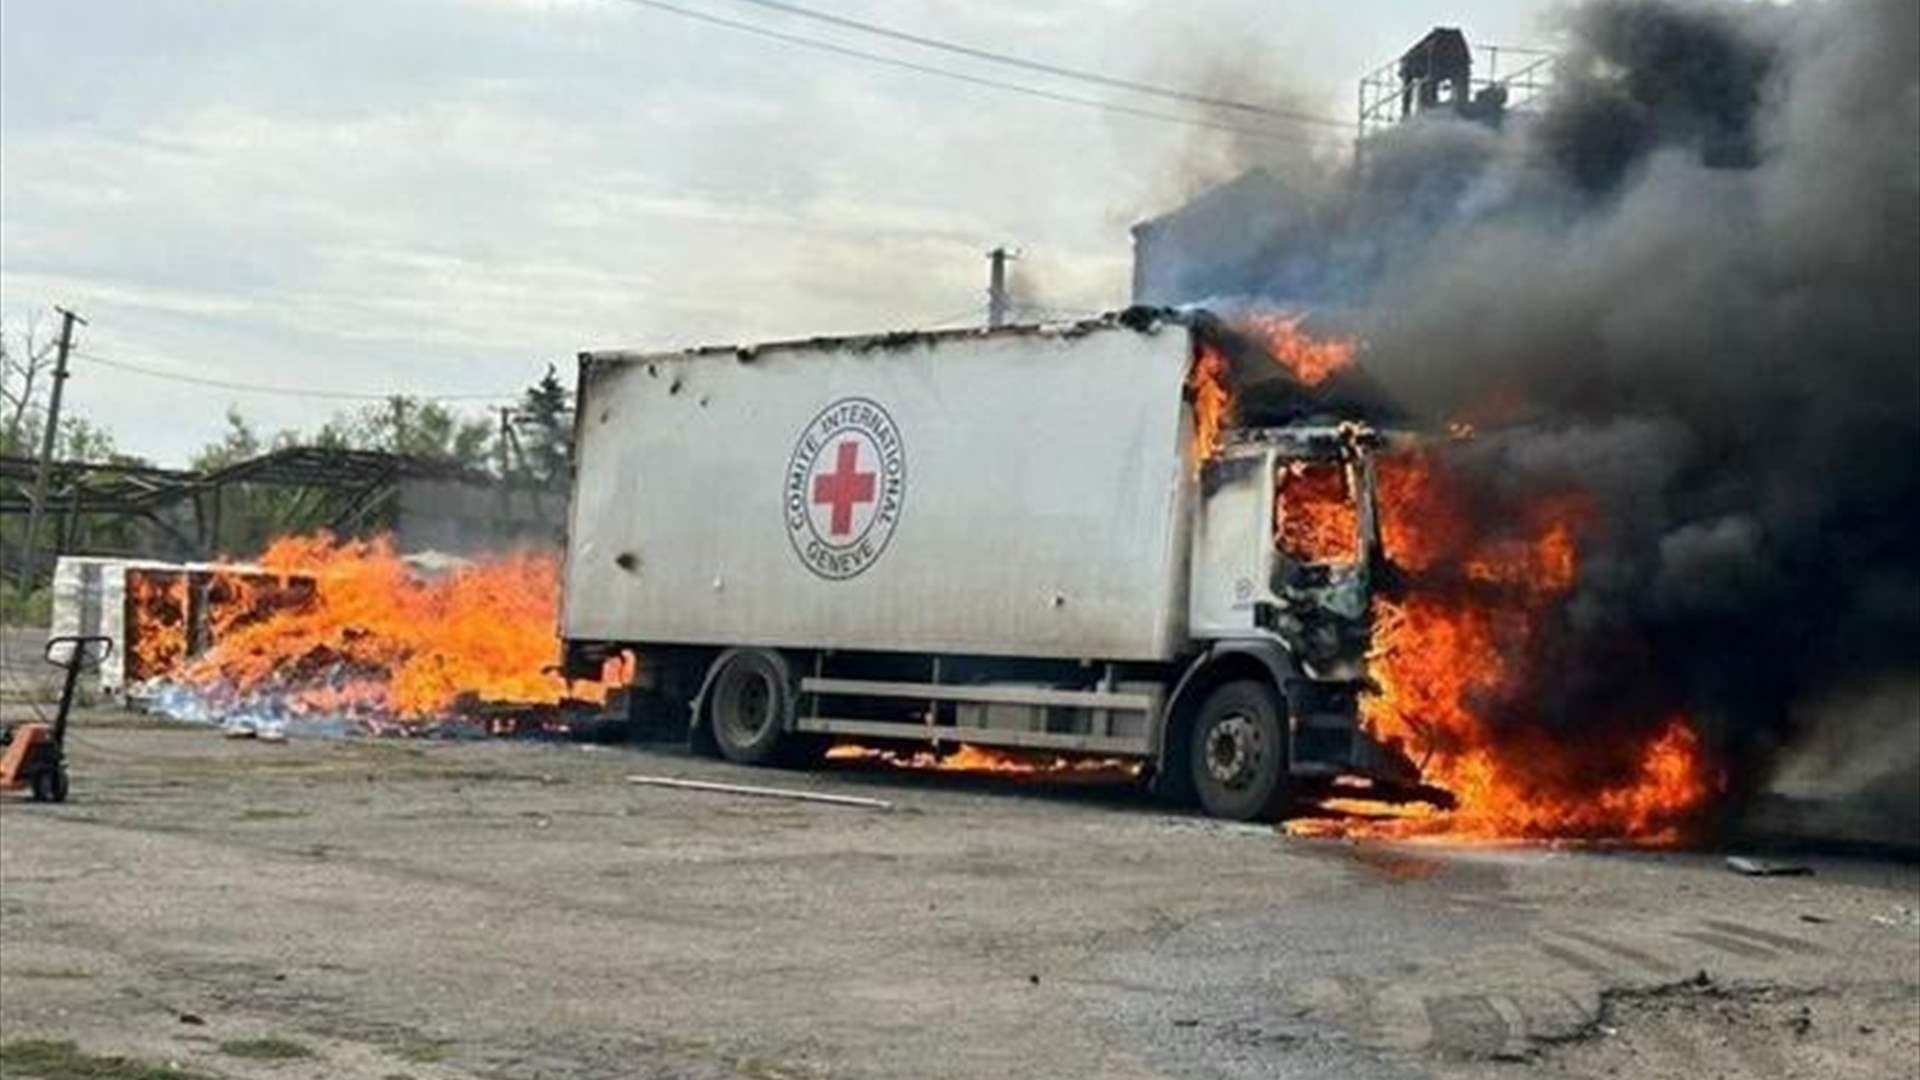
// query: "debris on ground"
[[756, 792], [1752, 867]]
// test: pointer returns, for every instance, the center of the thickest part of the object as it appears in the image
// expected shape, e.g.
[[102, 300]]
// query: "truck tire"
[[747, 709], [1238, 753], [50, 785]]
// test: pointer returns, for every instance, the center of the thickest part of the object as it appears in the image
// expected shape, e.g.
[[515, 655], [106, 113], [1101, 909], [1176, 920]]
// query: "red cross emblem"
[[844, 488], [845, 484]]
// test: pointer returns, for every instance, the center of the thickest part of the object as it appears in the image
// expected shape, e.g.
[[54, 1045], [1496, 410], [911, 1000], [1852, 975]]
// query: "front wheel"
[[1237, 755]]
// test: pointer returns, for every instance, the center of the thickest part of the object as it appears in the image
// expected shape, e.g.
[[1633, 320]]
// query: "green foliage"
[[239, 442], [268, 1049], [252, 514], [21, 605], [422, 430], [546, 427], [50, 1059], [80, 440]]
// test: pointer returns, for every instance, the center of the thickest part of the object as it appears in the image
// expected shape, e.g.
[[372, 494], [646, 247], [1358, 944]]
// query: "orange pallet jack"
[[35, 754]]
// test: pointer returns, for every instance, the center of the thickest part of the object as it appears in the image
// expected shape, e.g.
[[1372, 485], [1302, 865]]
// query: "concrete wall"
[[469, 519]]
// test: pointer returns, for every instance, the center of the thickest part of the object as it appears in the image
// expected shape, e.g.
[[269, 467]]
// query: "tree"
[[546, 417], [82, 440], [238, 443], [26, 366], [27, 359], [422, 430], [252, 514]]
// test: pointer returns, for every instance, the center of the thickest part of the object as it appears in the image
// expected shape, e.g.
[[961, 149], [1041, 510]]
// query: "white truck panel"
[[1020, 492]]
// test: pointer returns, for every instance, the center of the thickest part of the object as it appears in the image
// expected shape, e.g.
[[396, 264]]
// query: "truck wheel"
[[747, 709], [50, 785], [1237, 753]]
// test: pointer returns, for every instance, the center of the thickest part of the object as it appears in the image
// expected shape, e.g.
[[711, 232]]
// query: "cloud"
[[443, 196]]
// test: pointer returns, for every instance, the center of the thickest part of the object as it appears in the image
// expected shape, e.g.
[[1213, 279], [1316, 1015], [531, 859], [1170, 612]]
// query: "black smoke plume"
[[1689, 286]]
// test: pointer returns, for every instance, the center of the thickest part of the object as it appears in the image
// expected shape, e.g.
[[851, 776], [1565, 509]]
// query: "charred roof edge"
[[1140, 319]]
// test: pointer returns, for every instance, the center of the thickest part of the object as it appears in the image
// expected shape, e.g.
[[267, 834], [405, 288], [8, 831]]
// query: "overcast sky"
[[440, 196]]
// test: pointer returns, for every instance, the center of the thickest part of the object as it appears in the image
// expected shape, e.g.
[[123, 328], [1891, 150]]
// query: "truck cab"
[[1286, 554]]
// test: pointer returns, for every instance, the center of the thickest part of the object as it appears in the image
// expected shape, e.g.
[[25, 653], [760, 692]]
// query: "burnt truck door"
[[1284, 545], [1286, 551], [1327, 557], [1325, 542]]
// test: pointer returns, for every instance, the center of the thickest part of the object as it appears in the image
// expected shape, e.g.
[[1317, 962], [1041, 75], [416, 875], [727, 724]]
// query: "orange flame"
[[1311, 359], [1212, 399], [370, 635], [1458, 644], [1315, 515], [156, 622], [970, 758]]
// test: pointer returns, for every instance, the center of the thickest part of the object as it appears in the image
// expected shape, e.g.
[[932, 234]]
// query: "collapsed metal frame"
[[351, 484]]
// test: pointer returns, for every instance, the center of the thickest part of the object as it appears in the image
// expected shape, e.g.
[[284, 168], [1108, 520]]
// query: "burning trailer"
[[1153, 537]]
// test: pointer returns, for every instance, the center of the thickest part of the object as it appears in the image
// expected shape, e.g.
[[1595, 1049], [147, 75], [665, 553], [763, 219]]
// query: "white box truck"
[[1004, 537]]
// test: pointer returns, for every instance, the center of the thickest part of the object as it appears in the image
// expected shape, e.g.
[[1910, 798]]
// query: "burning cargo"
[[345, 634], [160, 615]]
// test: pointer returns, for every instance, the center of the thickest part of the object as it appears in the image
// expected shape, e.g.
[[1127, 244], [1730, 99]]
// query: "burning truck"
[[1154, 536], [1235, 569]]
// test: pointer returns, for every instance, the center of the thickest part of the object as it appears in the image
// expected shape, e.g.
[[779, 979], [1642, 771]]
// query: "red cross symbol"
[[845, 487]]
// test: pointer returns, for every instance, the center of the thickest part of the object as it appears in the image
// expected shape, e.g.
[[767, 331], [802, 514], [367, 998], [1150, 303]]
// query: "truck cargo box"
[[1013, 492]]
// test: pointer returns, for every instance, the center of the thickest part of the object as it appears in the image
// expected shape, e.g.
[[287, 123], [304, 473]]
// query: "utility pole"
[[998, 302], [398, 404], [44, 473], [504, 462], [501, 445]]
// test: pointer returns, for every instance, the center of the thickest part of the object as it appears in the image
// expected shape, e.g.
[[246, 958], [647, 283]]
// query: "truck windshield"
[[1316, 517]]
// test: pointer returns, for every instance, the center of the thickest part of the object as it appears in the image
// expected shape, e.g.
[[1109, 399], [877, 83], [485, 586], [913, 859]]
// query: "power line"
[[976, 80], [287, 391], [1050, 69]]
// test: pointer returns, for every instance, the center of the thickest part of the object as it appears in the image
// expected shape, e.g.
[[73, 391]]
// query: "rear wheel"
[[1237, 753], [747, 708]]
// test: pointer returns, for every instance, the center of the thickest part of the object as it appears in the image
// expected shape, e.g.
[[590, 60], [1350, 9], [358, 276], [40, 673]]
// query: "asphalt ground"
[[429, 909]]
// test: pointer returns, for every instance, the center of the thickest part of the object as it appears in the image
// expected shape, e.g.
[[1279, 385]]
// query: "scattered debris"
[[1801, 1022], [761, 792], [1809, 917], [1743, 864]]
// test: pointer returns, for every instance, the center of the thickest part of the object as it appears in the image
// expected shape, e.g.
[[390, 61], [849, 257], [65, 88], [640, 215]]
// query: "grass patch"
[[48, 1059], [49, 973], [23, 606], [268, 1049], [421, 1052]]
